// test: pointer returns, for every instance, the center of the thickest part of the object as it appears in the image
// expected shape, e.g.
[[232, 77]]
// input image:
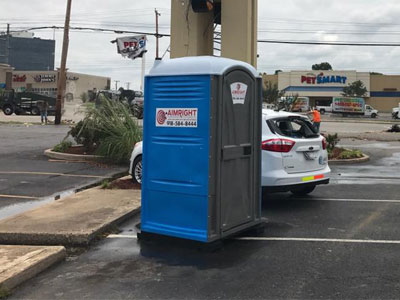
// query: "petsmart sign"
[[311, 78], [176, 117]]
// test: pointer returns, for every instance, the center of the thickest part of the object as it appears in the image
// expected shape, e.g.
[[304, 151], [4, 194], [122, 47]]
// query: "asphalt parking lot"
[[342, 242], [28, 178]]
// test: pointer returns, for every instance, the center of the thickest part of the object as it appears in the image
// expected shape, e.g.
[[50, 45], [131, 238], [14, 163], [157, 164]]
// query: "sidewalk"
[[76, 220], [73, 221]]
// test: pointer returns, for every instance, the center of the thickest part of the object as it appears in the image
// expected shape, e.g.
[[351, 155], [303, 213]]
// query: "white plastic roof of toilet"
[[197, 65]]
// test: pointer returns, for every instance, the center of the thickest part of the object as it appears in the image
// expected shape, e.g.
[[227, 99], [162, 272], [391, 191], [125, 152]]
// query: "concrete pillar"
[[191, 33], [239, 30]]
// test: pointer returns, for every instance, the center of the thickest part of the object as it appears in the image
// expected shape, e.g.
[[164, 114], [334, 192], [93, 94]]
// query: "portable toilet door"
[[240, 139]]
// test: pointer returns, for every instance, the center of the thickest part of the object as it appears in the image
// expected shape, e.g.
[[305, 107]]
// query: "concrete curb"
[[71, 157], [384, 122], [22, 263], [349, 161]]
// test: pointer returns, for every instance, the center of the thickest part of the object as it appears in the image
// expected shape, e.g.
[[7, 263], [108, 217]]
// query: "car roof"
[[269, 113]]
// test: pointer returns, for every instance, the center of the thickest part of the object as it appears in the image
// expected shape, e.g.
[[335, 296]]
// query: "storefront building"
[[383, 91], [45, 82]]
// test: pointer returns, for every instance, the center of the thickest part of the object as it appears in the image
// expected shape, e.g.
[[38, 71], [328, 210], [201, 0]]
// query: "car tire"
[[374, 115], [137, 170], [8, 110], [35, 111], [303, 191], [322, 111], [396, 116]]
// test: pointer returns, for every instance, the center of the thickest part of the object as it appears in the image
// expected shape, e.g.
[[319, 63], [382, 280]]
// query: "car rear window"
[[294, 127]]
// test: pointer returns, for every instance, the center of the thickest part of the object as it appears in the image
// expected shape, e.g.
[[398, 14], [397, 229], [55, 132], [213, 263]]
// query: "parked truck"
[[24, 102], [301, 104], [396, 112], [352, 106]]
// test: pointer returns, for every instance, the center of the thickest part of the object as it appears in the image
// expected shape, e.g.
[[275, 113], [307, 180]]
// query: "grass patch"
[[106, 185]]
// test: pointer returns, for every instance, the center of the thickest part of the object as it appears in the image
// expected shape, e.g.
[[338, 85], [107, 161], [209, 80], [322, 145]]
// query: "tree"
[[355, 89], [271, 93], [322, 66], [288, 102]]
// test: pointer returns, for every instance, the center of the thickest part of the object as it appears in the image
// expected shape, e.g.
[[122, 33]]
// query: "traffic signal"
[[200, 6]]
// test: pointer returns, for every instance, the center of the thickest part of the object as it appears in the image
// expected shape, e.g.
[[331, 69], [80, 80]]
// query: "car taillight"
[[278, 145], [324, 143]]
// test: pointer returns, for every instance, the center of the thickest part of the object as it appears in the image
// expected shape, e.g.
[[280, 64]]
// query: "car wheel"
[[8, 110], [137, 170], [373, 116], [322, 111], [303, 191], [35, 111], [396, 116]]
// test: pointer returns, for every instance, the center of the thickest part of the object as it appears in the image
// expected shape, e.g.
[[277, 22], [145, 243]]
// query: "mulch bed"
[[335, 153], [124, 184], [77, 150]]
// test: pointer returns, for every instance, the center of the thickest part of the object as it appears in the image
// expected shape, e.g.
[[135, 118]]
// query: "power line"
[[292, 42], [118, 31], [330, 43]]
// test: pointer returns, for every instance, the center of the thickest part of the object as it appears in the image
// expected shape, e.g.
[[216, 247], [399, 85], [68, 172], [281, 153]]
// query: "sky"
[[362, 21]]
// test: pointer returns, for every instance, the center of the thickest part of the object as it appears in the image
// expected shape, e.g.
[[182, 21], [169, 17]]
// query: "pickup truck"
[[324, 109], [396, 112]]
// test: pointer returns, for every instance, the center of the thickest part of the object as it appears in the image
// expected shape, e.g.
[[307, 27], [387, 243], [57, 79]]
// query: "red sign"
[[321, 79], [19, 78]]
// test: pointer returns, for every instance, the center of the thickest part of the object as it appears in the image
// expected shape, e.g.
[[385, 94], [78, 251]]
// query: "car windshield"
[[294, 127]]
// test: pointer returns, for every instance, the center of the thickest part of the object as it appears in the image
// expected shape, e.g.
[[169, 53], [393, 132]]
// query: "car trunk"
[[306, 155]]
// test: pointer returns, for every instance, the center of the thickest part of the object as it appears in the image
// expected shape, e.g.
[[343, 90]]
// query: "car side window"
[[294, 127]]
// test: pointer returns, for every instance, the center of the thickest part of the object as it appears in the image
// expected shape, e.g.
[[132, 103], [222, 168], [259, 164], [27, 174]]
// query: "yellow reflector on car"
[[309, 178]]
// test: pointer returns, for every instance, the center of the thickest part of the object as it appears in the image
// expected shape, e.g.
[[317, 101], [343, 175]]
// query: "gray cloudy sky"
[[305, 20]]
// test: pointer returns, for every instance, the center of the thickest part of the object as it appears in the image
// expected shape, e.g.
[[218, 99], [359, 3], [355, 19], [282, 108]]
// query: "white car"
[[294, 156], [135, 168]]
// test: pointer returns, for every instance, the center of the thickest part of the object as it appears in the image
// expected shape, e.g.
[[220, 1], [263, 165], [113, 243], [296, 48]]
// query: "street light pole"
[[62, 75]]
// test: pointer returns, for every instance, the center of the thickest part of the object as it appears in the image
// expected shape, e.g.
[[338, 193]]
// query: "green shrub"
[[84, 97], [62, 146], [109, 130], [348, 154], [331, 141]]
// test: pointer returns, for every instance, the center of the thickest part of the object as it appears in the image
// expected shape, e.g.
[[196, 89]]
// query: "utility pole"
[[62, 74], [7, 52], [157, 36], [127, 85], [116, 84]]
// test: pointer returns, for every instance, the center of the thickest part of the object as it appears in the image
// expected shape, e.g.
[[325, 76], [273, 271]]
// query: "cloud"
[[92, 53]]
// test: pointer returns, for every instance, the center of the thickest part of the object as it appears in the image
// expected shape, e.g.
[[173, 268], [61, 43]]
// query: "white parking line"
[[50, 173], [16, 196], [351, 200], [289, 239], [285, 239], [121, 236]]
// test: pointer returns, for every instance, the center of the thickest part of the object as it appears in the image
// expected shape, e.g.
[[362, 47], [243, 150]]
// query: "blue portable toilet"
[[201, 148]]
